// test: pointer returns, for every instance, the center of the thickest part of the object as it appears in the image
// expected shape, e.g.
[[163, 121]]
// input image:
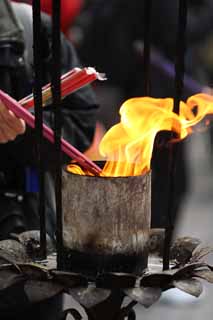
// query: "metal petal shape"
[[40, 290], [190, 286], [204, 274], [69, 279], [90, 296], [145, 296], [34, 271], [187, 270], [7, 258], [12, 300], [9, 278], [210, 267], [182, 249], [158, 280], [15, 251], [199, 253]]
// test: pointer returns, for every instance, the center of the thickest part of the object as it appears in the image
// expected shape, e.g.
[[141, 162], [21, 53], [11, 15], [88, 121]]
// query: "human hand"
[[10, 125]]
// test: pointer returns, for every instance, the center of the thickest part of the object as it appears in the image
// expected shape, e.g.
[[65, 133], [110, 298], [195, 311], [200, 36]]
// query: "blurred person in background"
[[70, 9], [18, 205], [109, 35], [78, 109]]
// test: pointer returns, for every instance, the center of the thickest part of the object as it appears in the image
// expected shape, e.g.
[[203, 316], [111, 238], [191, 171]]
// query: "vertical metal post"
[[179, 76], [56, 94], [37, 54], [147, 48], [180, 54]]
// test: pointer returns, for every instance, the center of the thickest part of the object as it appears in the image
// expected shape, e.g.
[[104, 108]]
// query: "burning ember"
[[128, 145]]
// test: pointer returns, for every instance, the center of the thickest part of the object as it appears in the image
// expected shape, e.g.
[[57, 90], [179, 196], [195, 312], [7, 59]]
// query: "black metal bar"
[[180, 54], [56, 94], [173, 149], [165, 66], [37, 53], [147, 47]]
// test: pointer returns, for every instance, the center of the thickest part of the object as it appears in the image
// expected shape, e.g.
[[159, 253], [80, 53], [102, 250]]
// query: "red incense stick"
[[70, 82], [67, 148]]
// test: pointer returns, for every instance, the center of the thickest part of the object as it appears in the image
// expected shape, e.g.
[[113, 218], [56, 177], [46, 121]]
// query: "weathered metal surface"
[[107, 218], [30, 283]]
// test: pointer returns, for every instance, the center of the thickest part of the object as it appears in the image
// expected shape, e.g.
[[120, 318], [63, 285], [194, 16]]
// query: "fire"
[[128, 146], [74, 168]]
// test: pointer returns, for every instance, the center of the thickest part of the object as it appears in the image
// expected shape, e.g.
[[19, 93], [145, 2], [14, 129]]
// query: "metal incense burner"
[[106, 222], [103, 228]]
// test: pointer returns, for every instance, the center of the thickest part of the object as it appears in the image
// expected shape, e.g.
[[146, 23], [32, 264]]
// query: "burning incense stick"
[[67, 148], [70, 82]]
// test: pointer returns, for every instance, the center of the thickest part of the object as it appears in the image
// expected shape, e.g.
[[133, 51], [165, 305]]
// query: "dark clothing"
[[111, 34], [110, 29], [78, 123]]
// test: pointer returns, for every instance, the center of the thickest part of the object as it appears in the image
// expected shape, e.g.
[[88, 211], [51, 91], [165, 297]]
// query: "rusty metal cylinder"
[[106, 222]]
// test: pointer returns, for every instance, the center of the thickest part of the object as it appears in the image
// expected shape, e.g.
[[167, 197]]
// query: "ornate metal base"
[[33, 289]]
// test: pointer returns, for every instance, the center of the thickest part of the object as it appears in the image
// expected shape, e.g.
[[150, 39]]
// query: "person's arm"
[[165, 23], [78, 117]]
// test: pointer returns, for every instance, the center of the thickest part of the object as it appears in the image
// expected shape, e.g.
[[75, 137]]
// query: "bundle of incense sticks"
[[70, 82], [67, 148]]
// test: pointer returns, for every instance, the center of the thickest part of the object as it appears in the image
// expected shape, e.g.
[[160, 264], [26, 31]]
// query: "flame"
[[76, 169], [128, 145], [93, 151]]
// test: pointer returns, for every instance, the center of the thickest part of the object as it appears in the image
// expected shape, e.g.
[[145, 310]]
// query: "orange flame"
[[76, 169], [128, 145]]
